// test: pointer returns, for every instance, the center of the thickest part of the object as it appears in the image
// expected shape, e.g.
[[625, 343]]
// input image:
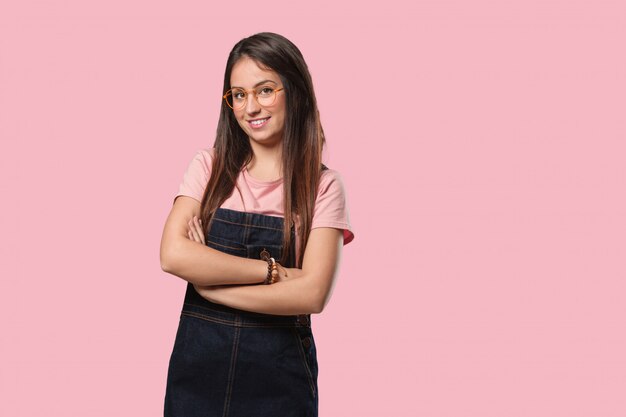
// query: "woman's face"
[[263, 124]]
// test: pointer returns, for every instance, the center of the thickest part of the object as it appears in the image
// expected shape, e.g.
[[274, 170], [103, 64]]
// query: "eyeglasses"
[[265, 95]]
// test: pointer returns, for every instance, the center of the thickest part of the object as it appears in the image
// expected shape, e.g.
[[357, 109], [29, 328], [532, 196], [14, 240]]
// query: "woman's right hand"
[[195, 231]]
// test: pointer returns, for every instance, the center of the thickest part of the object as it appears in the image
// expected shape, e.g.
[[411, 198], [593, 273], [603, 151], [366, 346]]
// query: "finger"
[[193, 231], [280, 274], [199, 229], [192, 236]]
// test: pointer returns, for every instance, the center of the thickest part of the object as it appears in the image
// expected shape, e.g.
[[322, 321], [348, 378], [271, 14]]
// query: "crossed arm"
[[221, 277]]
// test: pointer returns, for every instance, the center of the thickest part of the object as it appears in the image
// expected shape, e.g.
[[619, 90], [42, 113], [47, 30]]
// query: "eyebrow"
[[257, 84]]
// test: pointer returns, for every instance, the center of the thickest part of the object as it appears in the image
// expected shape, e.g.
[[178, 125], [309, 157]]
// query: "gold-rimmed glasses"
[[265, 95]]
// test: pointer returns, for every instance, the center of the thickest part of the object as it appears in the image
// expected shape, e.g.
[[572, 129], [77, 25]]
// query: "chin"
[[265, 139]]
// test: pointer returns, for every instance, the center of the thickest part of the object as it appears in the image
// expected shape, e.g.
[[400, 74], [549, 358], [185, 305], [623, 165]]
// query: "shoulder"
[[330, 180], [197, 174], [204, 158], [201, 163]]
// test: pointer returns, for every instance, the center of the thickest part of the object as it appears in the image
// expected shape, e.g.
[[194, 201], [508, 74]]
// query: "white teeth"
[[258, 122]]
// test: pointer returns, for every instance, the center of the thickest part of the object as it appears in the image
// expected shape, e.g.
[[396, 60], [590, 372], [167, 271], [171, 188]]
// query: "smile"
[[258, 123]]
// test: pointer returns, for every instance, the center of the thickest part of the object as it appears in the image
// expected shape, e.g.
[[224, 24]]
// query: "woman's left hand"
[[195, 233], [194, 230]]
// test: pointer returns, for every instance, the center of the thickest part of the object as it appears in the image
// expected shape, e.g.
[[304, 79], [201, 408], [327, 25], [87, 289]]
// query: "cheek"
[[280, 114], [240, 118]]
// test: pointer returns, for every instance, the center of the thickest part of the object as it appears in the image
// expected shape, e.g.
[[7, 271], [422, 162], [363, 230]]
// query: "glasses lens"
[[266, 95], [236, 98], [229, 99]]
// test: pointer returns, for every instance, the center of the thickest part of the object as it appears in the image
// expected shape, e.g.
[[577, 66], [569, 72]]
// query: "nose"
[[252, 105]]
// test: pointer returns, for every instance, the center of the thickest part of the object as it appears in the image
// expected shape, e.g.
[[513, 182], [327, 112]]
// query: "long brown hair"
[[302, 144]]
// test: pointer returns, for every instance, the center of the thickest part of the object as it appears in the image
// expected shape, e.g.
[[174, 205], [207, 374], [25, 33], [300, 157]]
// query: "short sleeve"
[[196, 176], [331, 208]]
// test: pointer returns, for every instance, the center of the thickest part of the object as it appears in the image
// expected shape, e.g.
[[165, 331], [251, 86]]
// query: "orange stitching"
[[246, 224], [225, 246], [304, 360], [233, 323], [231, 371]]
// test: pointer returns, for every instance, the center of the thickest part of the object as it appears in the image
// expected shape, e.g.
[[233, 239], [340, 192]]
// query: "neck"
[[266, 163]]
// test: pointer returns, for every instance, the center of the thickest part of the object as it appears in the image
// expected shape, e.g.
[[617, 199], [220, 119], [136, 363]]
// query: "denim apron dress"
[[228, 362]]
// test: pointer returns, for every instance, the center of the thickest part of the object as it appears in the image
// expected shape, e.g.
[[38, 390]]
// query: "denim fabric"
[[228, 362]]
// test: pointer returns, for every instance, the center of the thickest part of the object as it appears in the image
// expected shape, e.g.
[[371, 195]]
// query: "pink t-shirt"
[[266, 197]]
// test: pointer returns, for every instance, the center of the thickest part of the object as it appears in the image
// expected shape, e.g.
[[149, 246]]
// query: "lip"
[[261, 125]]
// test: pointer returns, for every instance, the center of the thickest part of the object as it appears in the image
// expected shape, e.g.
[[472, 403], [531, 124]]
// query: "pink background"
[[482, 144]]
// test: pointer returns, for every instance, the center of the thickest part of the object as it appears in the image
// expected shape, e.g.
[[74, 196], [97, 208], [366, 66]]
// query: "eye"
[[265, 91], [239, 94]]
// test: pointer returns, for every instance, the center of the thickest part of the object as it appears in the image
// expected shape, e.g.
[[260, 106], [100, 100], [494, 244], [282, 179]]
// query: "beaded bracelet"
[[271, 267]]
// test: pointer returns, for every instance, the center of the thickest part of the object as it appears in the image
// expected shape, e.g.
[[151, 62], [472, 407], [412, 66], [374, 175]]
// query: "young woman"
[[256, 229]]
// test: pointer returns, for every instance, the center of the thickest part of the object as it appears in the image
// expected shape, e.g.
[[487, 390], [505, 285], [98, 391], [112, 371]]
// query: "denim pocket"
[[227, 246], [257, 251]]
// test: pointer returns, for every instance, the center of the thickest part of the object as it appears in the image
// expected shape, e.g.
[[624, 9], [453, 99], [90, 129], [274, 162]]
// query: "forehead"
[[247, 73]]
